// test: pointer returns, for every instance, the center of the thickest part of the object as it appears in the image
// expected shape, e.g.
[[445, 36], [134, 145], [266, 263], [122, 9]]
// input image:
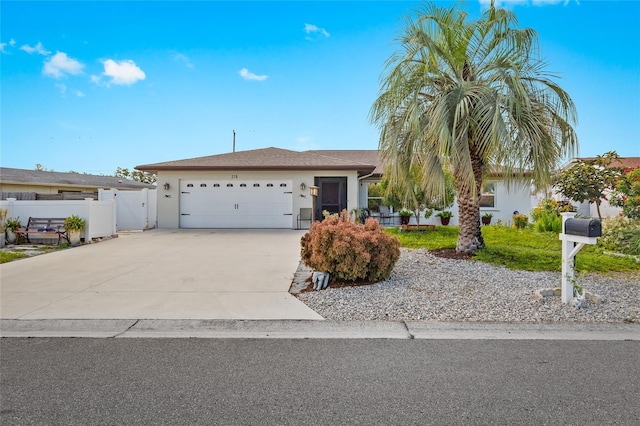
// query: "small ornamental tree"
[[627, 193], [413, 195], [350, 252], [590, 180]]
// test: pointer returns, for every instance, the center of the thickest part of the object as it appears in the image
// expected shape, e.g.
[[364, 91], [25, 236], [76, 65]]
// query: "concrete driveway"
[[160, 274]]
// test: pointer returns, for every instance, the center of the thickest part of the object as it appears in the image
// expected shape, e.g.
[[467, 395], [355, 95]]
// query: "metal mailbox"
[[583, 227]]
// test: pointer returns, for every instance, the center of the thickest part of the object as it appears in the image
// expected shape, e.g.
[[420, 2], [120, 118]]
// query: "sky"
[[92, 86]]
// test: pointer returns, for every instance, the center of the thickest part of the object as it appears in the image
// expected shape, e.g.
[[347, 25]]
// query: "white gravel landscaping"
[[425, 287]]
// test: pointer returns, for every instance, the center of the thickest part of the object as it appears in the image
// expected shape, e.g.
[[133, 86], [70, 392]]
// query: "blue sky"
[[92, 86]]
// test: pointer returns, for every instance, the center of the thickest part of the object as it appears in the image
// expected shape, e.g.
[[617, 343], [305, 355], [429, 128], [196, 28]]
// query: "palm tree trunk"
[[470, 238]]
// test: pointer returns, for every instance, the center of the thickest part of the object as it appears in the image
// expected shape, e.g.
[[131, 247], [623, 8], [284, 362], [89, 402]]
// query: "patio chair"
[[304, 216], [385, 215]]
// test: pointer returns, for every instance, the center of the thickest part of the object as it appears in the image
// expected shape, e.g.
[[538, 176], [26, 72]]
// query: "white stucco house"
[[267, 188]]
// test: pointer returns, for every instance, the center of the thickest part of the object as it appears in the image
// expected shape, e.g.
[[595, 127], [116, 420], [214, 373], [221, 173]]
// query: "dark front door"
[[332, 195]]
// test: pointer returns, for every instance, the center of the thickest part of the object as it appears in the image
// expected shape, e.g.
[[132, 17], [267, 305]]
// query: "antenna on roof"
[[234, 140]]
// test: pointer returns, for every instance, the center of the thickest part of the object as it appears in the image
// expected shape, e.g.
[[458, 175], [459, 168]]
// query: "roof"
[[364, 161], [45, 178], [626, 162]]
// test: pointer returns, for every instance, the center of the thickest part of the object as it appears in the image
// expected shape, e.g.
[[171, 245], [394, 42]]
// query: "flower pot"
[[11, 236], [486, 220], [404, 220], [445, 220], [74, 236]]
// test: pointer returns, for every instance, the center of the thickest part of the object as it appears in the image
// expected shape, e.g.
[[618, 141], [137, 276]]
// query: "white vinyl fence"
[[100, 215], [135, 210]]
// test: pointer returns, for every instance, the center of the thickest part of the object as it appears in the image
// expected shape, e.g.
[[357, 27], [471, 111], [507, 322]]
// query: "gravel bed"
[[425, 287]]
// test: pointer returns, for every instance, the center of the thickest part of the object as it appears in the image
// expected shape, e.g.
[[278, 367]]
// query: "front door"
[[332, 195]]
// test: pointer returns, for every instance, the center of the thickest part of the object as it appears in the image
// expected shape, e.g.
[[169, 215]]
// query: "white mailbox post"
[[575, 234]]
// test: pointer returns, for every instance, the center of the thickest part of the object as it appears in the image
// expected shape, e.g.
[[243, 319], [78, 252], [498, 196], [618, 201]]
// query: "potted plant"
[[11, 226], [486, 218], [405, 216], [357, 214], [74, 224], [445, 217]]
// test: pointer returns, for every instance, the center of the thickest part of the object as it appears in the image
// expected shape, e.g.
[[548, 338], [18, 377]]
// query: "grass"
[[520, 249], [7, 255]]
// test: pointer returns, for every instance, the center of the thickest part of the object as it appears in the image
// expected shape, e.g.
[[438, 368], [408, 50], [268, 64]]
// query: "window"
[[229, 185], [243, 185], [374, 197], [256, 185], [189, 185], [269, 185], [203, 185], [488, 196], [283, 185], [216, 185]]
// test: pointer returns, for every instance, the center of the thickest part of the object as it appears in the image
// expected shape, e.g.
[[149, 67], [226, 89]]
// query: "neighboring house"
[[37, 184], [588, 209], [266, 188]]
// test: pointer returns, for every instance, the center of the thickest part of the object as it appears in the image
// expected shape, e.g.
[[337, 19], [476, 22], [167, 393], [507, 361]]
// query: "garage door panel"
[[236, 204]]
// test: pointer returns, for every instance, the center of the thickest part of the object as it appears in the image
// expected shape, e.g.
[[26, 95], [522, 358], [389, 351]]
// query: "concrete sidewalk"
[[309, 329], [160, 274]]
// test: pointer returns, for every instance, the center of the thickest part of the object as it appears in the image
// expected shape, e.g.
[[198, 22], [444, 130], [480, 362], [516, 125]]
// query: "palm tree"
[[466, 96]]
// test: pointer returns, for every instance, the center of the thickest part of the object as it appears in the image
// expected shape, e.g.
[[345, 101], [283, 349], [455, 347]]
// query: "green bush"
[[520, 221], [548, 222], [348, 251], [549, 205], [621, 234]]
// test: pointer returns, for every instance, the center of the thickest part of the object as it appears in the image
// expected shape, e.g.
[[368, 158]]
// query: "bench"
[[43, 226]]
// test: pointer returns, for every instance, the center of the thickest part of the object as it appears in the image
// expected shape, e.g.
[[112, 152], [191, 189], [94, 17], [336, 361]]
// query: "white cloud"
[[3, 46], [314, 30], [121, 73], [184, 59], [38, 48], [248, 75], [60, 64], [79, 94]]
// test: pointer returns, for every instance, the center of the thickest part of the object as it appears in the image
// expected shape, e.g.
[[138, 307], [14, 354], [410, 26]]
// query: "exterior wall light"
[[303, 186], [167, 186]]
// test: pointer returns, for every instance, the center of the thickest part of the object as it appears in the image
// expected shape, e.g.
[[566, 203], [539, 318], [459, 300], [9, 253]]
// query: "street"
[[318, 381]]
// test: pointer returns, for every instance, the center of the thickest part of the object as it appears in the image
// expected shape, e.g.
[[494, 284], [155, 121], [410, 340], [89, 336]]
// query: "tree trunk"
[[470, 238]]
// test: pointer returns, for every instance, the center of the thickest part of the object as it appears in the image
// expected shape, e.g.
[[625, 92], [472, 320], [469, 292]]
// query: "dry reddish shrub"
[[349, 251]]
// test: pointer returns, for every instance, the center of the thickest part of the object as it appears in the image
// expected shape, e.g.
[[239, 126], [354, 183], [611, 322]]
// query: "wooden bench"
[[43, 226]]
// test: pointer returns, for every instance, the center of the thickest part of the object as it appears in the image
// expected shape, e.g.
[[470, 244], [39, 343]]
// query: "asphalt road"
[[318, 382]]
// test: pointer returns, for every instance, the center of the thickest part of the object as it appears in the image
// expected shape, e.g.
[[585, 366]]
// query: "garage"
[[236, 203]]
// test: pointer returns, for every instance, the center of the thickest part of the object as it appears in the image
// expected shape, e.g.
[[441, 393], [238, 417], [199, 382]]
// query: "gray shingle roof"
[[275, 159], [38, 177]]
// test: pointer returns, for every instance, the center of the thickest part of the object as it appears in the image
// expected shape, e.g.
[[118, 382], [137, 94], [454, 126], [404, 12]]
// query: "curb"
[[309, 329]]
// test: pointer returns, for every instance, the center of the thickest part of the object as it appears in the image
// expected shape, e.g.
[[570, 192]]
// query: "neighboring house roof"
[[626, 162], [45, 178], [364, 161]]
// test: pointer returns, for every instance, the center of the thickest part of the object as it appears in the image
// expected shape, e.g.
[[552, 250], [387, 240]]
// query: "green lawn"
[[521, 249]]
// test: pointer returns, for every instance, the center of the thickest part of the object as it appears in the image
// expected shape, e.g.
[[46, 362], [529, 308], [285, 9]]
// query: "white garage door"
[[236, 203]]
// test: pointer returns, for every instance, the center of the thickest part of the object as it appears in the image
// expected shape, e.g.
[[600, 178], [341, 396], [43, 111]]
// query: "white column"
[[567, 261]]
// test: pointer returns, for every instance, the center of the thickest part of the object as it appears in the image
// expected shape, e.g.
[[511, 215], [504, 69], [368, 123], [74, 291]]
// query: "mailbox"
[[583, 227]]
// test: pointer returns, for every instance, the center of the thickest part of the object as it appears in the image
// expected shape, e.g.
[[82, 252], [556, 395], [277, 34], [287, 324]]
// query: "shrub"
[[548, 222], [549, 205], [348, 251], [627, 193], [621, 234], [520, 220]]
